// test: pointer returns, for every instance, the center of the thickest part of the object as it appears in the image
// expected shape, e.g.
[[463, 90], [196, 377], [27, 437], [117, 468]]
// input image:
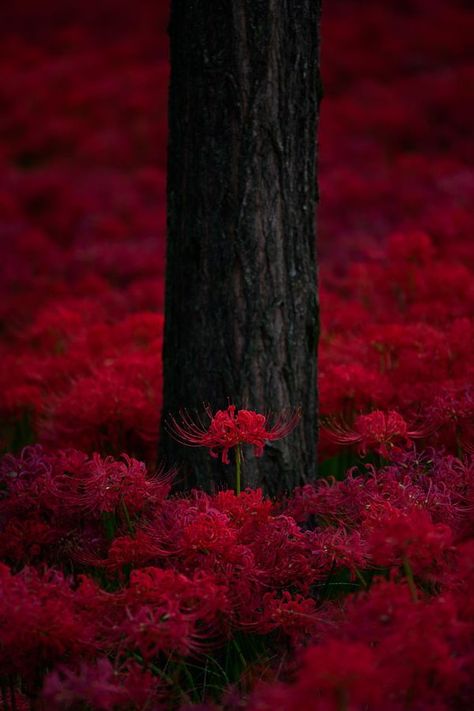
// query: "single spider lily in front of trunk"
[[231, 428]]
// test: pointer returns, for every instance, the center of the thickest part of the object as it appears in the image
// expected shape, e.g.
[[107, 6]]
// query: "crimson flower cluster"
[[104, 587]]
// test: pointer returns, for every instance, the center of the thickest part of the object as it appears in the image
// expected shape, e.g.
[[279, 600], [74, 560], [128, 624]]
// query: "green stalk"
[[361, 577], [127, 516], [410, 580], [109, 523], [238, 467]]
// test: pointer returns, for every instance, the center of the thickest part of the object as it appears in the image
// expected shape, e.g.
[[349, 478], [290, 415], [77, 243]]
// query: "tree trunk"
[[241, 298]]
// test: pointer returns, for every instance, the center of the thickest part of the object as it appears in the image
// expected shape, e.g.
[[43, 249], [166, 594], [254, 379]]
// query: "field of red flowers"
[[353, 594]]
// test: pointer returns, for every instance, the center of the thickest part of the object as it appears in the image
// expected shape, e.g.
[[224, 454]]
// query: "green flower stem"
[[238, 467], [410, 580], [110, 524], [361, 577], [127, 516]]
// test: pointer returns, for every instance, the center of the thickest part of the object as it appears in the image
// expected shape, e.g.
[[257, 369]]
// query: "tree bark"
[[242, 319]]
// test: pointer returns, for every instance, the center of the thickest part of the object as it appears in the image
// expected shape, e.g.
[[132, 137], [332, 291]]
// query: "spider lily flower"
[[452, 413], [230, 428], [382, 432]]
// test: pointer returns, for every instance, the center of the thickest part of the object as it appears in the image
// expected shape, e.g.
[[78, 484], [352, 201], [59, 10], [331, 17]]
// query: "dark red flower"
[[394, 535], [229, 428], [294, 615], [383, 432]]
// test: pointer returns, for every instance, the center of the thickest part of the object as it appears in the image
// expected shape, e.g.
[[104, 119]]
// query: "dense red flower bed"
[[354, 593]]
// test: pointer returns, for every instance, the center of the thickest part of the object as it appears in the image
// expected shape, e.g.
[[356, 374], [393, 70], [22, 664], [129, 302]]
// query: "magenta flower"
[[230, 428]]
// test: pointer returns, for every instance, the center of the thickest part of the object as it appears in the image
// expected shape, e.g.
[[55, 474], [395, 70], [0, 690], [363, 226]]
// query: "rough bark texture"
[[241, 301]]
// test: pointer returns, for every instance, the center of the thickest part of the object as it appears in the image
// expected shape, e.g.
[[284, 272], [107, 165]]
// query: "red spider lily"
[[393, 535], [159, 628], [99, 685], [334, 675], [380, 431], [230, 428], [294, 615], [94, 683], [452, 414]]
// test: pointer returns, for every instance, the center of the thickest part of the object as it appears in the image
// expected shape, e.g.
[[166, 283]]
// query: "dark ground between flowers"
[[352, 594]]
